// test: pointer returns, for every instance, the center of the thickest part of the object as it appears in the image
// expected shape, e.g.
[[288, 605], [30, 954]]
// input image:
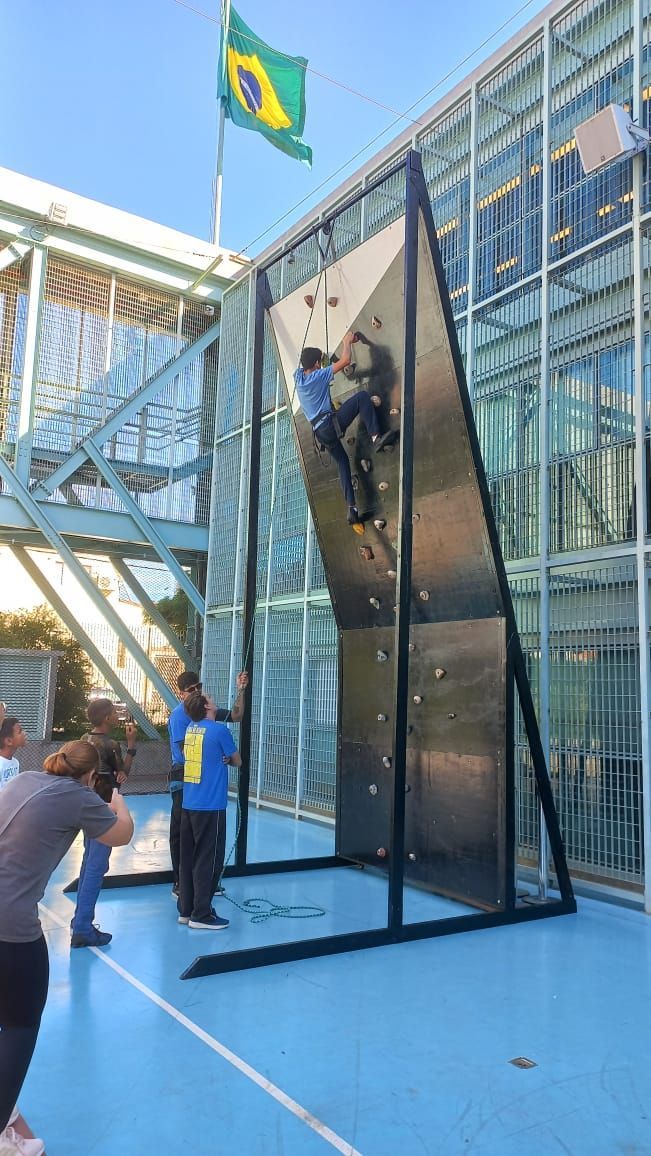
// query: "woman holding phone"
[[40, 816]]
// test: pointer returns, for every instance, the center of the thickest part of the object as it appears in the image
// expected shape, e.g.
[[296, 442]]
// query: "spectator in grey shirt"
[[40, 816]]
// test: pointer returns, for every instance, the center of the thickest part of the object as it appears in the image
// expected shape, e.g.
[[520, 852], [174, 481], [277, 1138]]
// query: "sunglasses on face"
[[196, 686]]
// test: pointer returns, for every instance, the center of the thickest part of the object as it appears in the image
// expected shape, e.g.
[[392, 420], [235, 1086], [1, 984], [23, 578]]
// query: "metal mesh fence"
[[525, 592], [595, 721], [592, 388], [509, 173], [317, 788], [592, 66], [506, 381], [446, 165]]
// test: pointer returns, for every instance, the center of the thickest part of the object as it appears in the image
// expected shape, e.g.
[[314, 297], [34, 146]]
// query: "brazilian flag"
[[263, 89]]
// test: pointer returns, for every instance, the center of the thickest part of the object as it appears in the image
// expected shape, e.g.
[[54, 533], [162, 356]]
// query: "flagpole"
[[219, 171]]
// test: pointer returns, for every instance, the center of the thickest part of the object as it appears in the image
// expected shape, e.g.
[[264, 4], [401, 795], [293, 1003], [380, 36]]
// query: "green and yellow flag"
[[264, 90]]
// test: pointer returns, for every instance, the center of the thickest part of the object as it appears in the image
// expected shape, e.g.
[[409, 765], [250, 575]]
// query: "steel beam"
[[67, 617], [127, 575], [40, 519], [144, 525], [30, 366], [14, 251], [128, 409]]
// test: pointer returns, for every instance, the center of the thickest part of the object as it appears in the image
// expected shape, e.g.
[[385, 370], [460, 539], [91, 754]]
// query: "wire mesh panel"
[[279, 740], [232, 358], [506, 383], [302, 263], [525, 592], [71, 387], [289, 518], [386, 203], [592, 66], [265, 499], [595, 718], [509, 173], [646, 359], [13, 316], [320, 712], [226, 489], [446, 164], [592, 383], [645, 107]]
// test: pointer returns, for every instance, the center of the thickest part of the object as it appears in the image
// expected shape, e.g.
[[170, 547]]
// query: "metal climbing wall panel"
[[458, 833]]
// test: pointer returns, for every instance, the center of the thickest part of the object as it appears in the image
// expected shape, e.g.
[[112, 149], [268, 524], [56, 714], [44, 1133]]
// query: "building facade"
[[548, 273]]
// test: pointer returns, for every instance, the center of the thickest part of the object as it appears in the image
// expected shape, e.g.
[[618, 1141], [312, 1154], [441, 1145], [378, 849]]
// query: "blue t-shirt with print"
[[205, 775], [313, 391], [177, 725]]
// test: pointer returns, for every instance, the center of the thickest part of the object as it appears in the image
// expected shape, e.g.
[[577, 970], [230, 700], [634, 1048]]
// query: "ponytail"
[[73, 761]]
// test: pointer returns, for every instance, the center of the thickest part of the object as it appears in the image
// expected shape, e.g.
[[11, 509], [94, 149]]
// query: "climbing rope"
[[259, 908]]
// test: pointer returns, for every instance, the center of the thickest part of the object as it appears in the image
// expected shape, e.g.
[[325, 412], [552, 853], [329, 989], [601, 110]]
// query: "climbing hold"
[[394, 410], [379, 523], [391, 574], [309, 300], [424, 595], [418, 698], [411, 857], [381, 852], [357, 528], [332, 301], [376, 323], [367, 553], [349, 370], [452, 715], [366, 465], [383, 486], [355, 481], [382, 656], [412, 647], [377, 401], [372, 789], [375, 602], [350, 441], [440, 672], [415, 518], [381, 718], [386, 761]]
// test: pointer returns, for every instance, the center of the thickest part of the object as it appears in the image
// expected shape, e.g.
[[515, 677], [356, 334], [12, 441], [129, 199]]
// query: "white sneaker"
[[12, 1144]]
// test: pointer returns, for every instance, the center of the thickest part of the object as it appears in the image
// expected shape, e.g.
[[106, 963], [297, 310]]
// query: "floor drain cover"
[[523, 1062]]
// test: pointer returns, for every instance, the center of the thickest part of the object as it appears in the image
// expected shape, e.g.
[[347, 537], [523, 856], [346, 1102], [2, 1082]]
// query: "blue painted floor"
[[395, 1050]]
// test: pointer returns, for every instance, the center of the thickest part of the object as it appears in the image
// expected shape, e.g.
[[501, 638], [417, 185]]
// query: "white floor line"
[[262, 1082]]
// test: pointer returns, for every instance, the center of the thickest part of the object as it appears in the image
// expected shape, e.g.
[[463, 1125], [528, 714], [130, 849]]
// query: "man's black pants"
[[203, 848]]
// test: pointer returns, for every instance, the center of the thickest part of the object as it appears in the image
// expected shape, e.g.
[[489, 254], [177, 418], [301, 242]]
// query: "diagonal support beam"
[[14, 251], [40, 519], [67, 617], [128, 409], [127, 575], [144, 525]]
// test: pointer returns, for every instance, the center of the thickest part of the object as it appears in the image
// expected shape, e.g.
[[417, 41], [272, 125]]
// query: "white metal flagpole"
[[217, 208]]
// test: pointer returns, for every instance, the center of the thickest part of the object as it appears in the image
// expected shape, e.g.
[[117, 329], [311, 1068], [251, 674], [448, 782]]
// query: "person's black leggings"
[[360, 403], [24, 976]]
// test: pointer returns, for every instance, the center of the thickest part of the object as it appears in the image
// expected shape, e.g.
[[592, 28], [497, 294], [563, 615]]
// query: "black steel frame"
[[396, 931]]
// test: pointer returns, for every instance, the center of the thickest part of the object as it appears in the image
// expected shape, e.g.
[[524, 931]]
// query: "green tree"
[[174, 610], [40, 629]]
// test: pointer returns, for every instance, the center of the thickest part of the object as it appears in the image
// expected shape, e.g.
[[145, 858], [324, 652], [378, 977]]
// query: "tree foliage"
[[40, 629], [174, 610]]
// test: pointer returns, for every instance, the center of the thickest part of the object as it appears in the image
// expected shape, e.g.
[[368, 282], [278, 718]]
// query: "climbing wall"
[[459, 804]]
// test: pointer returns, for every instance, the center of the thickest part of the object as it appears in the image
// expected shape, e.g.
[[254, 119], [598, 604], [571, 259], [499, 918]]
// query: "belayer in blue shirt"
[[313, 389]]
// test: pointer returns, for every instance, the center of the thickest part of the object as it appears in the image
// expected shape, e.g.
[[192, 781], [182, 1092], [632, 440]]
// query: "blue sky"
[[116, 100]]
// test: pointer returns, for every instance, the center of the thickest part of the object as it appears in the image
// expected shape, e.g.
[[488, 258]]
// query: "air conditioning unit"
[[607, 137]]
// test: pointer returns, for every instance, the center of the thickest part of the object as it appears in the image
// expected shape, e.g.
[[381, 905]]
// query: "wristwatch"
[[132, 751]]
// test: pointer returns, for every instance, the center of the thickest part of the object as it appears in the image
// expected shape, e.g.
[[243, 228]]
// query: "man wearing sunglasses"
[[189, 683]]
